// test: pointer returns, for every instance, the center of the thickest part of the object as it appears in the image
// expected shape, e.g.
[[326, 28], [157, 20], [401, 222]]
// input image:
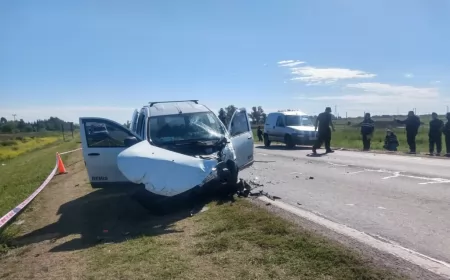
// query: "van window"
[[280, 121], [140, 125], [298, 121]]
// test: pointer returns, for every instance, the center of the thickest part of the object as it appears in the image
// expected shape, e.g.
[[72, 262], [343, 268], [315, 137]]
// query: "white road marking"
[[436, 266], [381, 207], [356, 172], [395, 174], [261, 154], [350, 204], [336, 164]]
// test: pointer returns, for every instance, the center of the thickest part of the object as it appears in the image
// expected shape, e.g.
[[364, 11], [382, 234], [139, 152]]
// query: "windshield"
[[298, 121], [185, 127]]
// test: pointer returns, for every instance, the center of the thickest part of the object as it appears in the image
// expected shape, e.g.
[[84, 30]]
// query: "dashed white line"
[[436, 266]]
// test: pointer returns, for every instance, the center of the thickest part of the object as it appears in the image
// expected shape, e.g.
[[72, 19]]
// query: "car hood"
[[162, 171], [302, 128]]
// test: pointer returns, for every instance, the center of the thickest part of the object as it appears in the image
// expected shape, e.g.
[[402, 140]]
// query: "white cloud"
[[290, 63], [408, 75], [383, 97], [396, 90], [313, 75], [435, 82]]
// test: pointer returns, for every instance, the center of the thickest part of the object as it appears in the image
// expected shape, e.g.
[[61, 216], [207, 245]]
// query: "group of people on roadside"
[[412, 124]]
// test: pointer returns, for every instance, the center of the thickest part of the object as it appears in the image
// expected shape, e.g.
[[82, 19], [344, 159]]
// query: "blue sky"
[[105, 58]]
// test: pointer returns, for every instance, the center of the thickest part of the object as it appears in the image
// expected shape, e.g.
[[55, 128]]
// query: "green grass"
[[10, 149], [231, 241], [20, 176], [350, 137]]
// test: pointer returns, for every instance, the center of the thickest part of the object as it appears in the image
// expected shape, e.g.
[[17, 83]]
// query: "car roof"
[[175, 108], [293, 113]]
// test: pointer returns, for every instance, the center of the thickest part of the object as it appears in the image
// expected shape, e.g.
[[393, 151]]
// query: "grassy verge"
[[20, 176], [12, 148], [345, 137], [230, 241]]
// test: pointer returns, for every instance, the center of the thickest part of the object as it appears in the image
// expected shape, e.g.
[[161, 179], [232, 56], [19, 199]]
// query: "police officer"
[[446, 131], [367, 128], [412, 123], [435, 134], [324, 122]]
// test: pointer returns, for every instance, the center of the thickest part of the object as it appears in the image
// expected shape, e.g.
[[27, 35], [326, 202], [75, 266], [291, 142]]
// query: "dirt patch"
[[34, 257]]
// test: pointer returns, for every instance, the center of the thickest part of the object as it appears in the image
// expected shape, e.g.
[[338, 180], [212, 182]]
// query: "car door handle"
[[93, 154]]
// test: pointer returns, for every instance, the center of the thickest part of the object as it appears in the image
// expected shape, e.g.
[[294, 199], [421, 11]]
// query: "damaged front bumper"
[[168, 173]]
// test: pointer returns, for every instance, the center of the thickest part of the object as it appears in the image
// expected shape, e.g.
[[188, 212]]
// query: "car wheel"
[[289, 142], [266, 140]]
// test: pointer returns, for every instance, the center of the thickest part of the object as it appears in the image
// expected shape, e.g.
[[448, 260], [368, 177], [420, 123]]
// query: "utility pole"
[[414, 111], [447, 108], [347, 117], [14, 115]]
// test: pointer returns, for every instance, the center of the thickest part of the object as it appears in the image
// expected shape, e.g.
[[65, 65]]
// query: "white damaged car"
[[171, 148]]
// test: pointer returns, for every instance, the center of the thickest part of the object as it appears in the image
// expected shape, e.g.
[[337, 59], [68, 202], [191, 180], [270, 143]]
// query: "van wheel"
[[266, 140], [289, 142]]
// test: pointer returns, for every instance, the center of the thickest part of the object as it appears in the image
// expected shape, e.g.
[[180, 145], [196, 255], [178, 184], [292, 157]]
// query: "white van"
[[289, 127], [171, 147]]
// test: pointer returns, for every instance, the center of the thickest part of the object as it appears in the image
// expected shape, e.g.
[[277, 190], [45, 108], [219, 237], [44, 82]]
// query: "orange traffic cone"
[[61, 168]]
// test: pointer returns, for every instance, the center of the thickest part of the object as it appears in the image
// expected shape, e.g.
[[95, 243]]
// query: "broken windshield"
[[298, 121], [185, 127]]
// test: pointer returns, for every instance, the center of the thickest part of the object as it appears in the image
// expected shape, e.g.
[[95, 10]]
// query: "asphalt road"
[[400, 198]]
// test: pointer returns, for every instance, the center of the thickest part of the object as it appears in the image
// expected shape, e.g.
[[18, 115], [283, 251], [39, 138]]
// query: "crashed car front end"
[[174, 167]]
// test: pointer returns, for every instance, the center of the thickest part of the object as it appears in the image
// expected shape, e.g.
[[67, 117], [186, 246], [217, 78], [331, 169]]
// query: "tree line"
[[51, 124], [256, 115]]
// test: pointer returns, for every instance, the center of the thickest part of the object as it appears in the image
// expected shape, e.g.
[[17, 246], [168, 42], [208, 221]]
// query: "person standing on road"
[[323, 122], [367, 129], [260, 133], [435, 134], [412, 123], [446, 131]]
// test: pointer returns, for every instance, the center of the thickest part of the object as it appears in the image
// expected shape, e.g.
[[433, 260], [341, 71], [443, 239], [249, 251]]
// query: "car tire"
[[266, 140], [289, 142]]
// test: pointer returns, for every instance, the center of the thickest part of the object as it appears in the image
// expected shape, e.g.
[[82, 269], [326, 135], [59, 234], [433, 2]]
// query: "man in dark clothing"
[[260, 133], [435, 134], [446, 131], [324, 122], [412, 123], [390, 141], [367, 128]]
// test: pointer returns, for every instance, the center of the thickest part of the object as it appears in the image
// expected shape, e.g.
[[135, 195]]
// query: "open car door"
[[102, 141], [242, 138], [134, 120]]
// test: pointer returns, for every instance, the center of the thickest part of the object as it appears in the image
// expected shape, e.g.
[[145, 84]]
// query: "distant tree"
[[229, 112], [127, 124], [3, 120], [257, 115], [222, 116], [7, 128]]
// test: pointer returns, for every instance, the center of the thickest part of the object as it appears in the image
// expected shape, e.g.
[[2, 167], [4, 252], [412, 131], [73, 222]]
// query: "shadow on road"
[[118, 214]]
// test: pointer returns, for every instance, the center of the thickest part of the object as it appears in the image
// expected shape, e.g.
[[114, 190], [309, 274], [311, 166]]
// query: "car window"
[[140, 125], [102, 134], [280, 121], [239, 124], [185, 127]]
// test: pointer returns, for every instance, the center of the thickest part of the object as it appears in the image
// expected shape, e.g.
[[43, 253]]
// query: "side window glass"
[[140, 124], [134, 124], [280, 121], [104, 134], [239, 124]]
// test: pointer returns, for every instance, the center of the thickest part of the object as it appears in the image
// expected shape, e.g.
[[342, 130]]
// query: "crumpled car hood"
[[162, 171]]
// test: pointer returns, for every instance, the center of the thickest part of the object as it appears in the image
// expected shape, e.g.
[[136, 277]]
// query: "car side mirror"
[[130, 141]]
